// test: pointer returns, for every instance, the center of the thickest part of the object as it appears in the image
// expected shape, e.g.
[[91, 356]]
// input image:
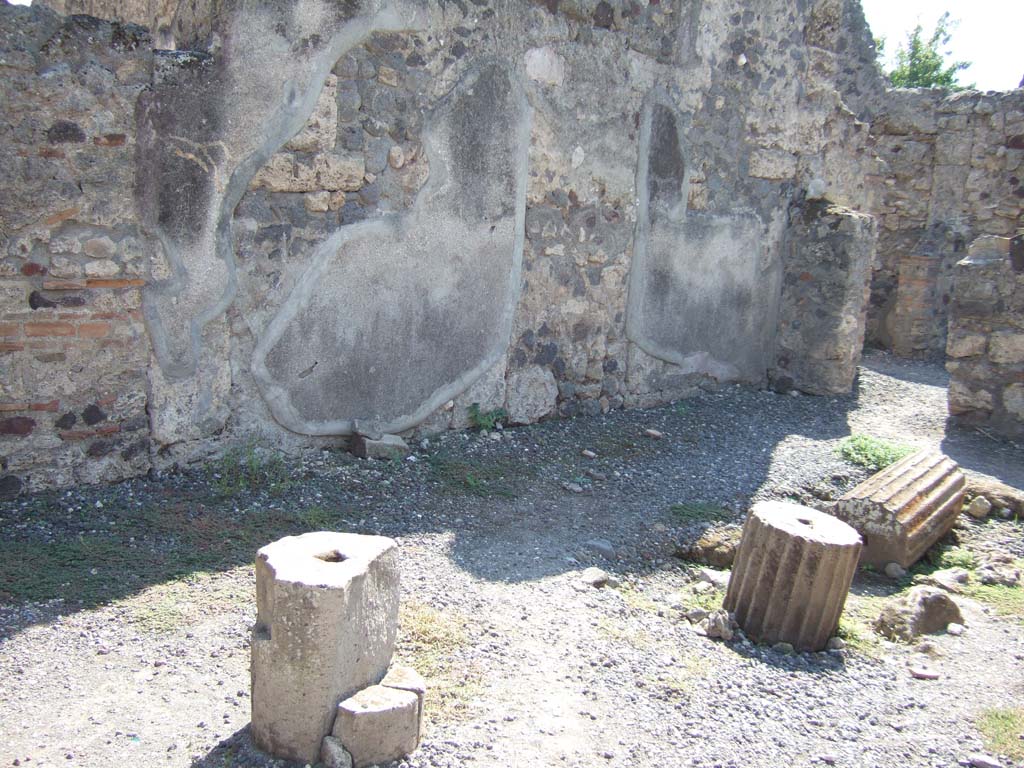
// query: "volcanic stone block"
[[327, 615], [792, 574], [904, 509], [827, 267], [388, 447], [379, 724], [924, 610]]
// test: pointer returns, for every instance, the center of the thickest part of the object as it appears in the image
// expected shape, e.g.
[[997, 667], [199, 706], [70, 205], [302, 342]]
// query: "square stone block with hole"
[[327, 616], [904, 509], [379, 724]]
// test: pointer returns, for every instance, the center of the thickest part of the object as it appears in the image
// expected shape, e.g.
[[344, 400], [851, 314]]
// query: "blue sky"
[[988, 34]]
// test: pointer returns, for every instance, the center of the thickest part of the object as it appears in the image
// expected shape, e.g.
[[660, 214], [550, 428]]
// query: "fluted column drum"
[[792, 573]]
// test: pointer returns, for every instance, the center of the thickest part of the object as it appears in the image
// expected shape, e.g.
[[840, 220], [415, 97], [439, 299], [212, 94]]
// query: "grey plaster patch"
[[397, 316], [703, 292], [204, 130]]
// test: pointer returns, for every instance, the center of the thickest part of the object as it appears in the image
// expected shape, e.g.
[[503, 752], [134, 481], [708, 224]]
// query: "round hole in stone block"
[[804, 521], [332, 556]]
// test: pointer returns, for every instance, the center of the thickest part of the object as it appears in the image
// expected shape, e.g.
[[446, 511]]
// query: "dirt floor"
[[125, 611]]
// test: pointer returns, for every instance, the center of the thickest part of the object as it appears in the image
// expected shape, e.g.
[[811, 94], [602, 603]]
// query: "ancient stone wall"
[[954, 171], [335, 215], [986, 337], [827, 260], [74, 353]]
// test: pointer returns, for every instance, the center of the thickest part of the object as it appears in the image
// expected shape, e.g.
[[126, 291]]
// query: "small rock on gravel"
[[922, 611], [654, 434], [333, 754], [719, 579], [920, 672], [895, 571], [603, 547], [979, 508], [718, 624], [595, 577], [984, 761]]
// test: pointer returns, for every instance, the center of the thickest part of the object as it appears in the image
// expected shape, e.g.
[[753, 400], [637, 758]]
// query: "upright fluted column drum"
[[792, 573]]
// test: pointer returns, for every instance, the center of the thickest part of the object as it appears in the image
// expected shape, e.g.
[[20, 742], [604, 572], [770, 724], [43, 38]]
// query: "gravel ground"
[[142, 659]]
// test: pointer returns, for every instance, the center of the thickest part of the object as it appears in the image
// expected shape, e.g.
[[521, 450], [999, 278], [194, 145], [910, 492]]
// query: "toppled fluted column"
[[791, 576], [904, 509], [327, 616]]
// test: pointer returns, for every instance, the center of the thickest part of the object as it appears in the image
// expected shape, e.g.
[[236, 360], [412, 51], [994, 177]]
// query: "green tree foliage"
[[920, 62]]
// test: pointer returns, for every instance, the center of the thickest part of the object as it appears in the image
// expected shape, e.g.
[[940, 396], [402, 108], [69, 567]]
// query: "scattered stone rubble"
[[327, 615], [922, 610]]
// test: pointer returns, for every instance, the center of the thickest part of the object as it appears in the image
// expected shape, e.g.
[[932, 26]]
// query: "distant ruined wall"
[[331, 217], [954, 172], [986, 337]]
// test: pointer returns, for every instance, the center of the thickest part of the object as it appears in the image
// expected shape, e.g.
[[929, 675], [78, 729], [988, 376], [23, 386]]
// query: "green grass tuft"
[[953, 557], [1007, 601], [244, 468], [872, 452], [697, 512], [1002, 728]]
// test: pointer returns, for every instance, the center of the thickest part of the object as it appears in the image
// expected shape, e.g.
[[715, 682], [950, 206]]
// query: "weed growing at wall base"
[[250, 468], [486, 419]]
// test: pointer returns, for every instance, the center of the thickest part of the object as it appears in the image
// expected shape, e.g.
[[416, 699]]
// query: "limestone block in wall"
[[964, 398], [532, 395], [964, 343], [327, 617], [545, 66], [904, 509], [1013, 401], [772, 164], [824, 299], [1006, 347], [321, 129]]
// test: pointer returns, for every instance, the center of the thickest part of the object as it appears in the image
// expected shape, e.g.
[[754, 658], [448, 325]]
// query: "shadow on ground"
[[504, 505]]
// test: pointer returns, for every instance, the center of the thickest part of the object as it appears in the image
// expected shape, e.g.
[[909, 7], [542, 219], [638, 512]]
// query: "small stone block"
[[408, 679], [388, 447], [405, 678], [378, 724], [333, 754]]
